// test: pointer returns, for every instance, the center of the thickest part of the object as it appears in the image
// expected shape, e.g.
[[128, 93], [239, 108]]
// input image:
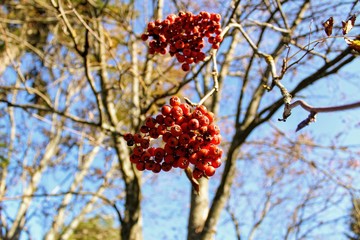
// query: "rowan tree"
[[79, 81]]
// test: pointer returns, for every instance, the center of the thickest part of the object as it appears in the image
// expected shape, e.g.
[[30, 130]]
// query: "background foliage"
[[75, 76]]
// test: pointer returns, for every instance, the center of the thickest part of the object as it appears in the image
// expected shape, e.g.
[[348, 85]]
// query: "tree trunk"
[[199, 210]]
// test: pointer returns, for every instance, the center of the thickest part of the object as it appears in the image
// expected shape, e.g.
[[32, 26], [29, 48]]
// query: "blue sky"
[[166, 196]]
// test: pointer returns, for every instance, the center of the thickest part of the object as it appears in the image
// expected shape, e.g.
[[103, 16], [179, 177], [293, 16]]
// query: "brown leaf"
[[348, 25], [311, 118], [353, 44], [194, 182], [328, 25]]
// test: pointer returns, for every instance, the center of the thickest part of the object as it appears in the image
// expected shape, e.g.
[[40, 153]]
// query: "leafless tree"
[[76, 76]]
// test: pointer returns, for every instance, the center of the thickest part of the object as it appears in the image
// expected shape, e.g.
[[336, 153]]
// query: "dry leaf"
[[194, 182], [328, 25], [348, 25], [353, 44]]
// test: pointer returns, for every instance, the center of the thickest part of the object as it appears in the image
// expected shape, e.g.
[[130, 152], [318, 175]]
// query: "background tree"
[[76, 76], [355, 220], [95, 228]]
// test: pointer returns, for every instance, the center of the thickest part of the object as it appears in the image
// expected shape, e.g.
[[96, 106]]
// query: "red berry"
[[144, 37], [202, 109], [183, 162], [162, 51], [182, 14], [151, 51], [204, 121], [216, 46], [171, 18], [172, 142], [215, 17], [166, 110], [166, 166], [140, 166], [201, 56], [145, 143], [189, 60], [213, 129], [150, 122], [181, 151], [186, 109], [153, 133], [128, 136], [176, 130], [150, 26], [187, 52], [185, 67], [175, 101], [156, 168], [184, 139], [211, 40], [151, 151], [202, 165], [203, 130], [159, 153], [138, 151], [149, 165], [218, 39], [210, 171], [216, 140], [176, 111], [205, 15], [179, 44], [180, 120], [194, 124], [169, 159], [193, 158], [134, 158], [216, 163], [144, 129], [160, 119], [197, 114], [145, 157], [203, 153], [180, 57], [185, 127], [168, 149], [137, 138], [166, 136], [130, 143], [169, 121], [210, 116], [197, 173], [161, 129]]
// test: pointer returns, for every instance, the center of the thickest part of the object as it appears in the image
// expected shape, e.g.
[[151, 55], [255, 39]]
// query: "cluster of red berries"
[[188, 134], [184, 33]]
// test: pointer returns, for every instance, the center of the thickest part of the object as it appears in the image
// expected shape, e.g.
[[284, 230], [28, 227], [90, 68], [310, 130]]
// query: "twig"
[[269, 25], [310, 108], [268, 58], [313, 111], [215, 88], [215, 78]]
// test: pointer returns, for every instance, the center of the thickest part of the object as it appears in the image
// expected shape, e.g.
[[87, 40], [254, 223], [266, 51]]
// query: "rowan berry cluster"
[[185, 34], [188, 136]]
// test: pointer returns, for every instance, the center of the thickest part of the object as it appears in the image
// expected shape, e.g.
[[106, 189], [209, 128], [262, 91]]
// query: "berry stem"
[[215, 78]]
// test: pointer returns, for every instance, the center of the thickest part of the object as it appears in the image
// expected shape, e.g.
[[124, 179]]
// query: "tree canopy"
[[78, 76]]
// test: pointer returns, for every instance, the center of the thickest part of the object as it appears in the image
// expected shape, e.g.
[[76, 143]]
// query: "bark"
[[199, 210], [7, 57], [51, 149], [58, 222], [131, 224]]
